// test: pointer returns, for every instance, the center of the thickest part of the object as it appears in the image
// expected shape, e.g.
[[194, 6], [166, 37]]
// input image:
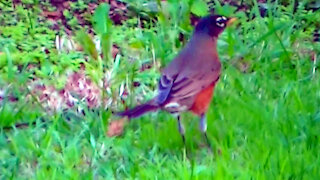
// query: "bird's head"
[[213, 25]]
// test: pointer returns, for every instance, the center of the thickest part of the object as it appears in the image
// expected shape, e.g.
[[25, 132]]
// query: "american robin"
[[188, 82]]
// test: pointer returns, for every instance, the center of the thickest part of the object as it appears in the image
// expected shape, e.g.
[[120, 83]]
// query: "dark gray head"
[[213, 25]]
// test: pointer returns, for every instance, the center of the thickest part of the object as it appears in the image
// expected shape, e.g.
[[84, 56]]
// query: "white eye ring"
[[219, 19], [220, 24]]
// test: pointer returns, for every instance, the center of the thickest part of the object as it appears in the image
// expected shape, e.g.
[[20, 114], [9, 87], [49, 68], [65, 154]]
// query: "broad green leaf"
[[101, 20], [103, 27], [199, 8], [106, 44]]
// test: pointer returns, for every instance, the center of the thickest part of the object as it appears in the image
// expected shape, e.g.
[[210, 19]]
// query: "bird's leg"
[[203, 128], [181, 130]]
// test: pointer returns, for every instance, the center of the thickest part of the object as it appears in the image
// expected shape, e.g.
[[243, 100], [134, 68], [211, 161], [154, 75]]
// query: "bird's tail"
[[138, 110]]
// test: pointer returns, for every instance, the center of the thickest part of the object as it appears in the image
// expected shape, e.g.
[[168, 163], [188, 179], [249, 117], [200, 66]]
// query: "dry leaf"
[[116, 127]]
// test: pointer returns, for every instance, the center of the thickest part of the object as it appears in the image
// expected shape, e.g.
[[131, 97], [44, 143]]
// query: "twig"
[[20, 125]]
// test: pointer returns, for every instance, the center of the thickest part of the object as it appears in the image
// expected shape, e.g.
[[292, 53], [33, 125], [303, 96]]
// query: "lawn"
[[65, 67]]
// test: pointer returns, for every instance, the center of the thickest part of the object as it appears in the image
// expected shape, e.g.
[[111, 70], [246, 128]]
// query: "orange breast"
[[202, 101]]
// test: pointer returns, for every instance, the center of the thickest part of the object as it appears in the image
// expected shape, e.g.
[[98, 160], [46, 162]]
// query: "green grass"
[[263, 123]]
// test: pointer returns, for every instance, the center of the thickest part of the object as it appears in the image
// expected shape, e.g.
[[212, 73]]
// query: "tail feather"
[[138, 110]]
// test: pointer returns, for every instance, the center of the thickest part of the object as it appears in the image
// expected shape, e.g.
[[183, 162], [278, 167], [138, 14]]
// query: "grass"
[[263, 123]]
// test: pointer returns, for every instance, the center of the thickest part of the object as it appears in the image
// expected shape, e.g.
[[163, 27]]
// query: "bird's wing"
[[181, 83], [190, 86], [165, 85]]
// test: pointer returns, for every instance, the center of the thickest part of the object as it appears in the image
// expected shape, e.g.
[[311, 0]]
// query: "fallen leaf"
[[116, 127], [55, 15]]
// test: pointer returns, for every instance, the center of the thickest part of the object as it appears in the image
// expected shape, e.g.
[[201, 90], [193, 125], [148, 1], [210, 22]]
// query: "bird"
[[188, 82]]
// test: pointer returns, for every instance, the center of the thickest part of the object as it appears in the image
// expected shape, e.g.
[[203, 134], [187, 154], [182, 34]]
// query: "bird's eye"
[[220, 21]]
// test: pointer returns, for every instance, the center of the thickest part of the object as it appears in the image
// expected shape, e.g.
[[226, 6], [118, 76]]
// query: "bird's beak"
[[231, 21]]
